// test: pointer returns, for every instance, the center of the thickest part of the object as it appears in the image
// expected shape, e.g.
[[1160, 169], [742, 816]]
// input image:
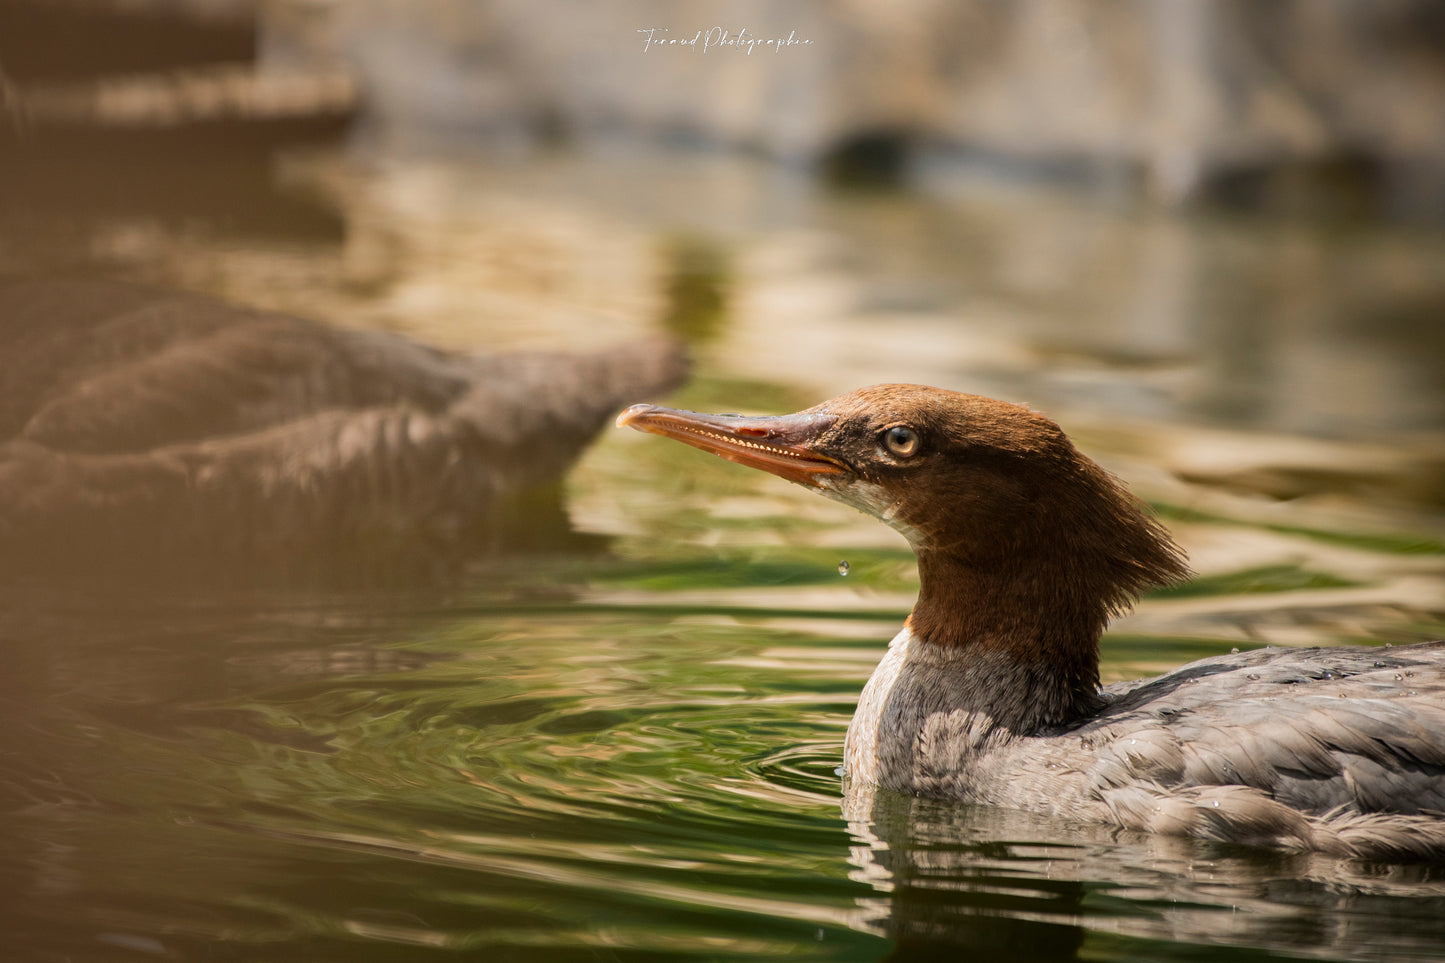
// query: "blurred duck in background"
[[142, 426]]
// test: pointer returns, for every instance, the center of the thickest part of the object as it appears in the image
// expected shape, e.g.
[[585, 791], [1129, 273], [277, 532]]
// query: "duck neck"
[[1024, 639]]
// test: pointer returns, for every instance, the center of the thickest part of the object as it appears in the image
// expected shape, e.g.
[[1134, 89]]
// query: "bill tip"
[[632, 414]]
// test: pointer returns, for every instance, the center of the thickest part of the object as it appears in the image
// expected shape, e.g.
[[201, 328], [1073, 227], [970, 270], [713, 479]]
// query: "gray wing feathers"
[[1241, 814], [1338, 750]]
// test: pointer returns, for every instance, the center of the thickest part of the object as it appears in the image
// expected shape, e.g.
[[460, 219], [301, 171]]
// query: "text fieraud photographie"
[[719, 39]]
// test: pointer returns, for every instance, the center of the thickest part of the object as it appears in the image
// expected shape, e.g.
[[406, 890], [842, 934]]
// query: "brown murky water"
[[629, 753]]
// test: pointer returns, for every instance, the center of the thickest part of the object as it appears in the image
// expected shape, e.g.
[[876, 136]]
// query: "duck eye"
[[901, 440]]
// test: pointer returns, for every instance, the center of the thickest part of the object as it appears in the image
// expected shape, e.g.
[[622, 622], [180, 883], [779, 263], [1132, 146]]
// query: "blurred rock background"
[[1296, 104]]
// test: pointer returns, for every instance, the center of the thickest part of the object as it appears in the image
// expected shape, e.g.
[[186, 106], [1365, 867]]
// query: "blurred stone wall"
[[1181, 96]]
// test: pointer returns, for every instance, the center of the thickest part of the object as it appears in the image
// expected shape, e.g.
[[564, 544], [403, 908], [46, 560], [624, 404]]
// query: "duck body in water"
[[990, 693], [138, 425]]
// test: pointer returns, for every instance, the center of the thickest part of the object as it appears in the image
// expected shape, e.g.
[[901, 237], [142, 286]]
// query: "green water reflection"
[[624, 757], [531, 778]]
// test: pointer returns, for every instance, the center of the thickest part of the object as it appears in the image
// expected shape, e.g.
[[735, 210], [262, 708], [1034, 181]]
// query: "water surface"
[[630, 752]]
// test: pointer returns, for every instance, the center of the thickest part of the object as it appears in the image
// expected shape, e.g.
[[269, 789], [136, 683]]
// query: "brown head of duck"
[[1024, 544]]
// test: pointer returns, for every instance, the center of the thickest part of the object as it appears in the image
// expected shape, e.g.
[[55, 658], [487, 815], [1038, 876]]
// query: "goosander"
[[140, 425], [990, 693]]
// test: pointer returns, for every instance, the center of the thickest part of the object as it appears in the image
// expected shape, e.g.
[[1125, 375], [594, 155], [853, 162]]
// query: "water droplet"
[[1399, 677], [1253, 677], [1389, 645], [843, 567], [1379, 665], [1234, 651]]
